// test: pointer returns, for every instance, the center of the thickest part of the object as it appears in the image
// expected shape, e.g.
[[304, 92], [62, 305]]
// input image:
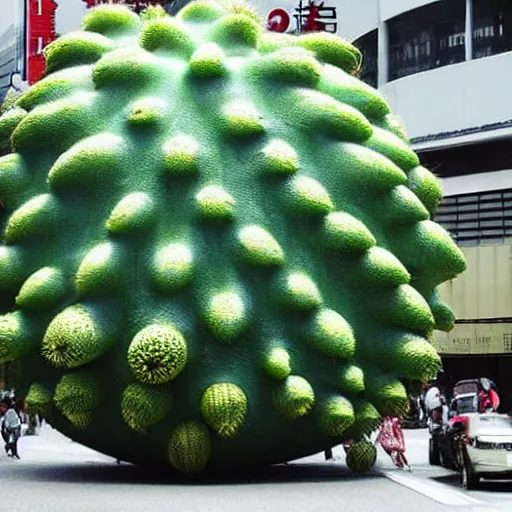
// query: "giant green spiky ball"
[[218, 248]]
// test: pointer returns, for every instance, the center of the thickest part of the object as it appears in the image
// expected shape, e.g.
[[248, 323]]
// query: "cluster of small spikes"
[[198, 209]]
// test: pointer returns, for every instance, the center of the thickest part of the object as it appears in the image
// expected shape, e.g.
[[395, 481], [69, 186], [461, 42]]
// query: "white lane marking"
[[433, 490]]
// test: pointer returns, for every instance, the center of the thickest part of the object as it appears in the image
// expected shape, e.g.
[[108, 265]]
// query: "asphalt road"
[[56, 474]]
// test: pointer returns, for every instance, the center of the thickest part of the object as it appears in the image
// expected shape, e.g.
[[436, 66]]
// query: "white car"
[[482, 445]]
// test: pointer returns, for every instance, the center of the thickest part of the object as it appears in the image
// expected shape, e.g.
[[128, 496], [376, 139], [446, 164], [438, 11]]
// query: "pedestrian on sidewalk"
[[10, 426], [391, 438]]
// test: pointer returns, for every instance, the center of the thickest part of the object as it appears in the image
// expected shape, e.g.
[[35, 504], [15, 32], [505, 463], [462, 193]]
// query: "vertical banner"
[[40, 32]]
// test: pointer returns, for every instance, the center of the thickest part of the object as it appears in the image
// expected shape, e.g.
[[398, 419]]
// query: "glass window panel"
[[491, 206], [491, 215], [468, 225], [468, 199], [492, 27], [491, 224], [426, 38]]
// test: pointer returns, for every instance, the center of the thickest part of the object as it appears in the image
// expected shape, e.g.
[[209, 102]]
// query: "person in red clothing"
[[488, 398], [391, 438]]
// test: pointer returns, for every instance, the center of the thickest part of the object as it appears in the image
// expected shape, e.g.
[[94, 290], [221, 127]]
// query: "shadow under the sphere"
[[104, 473]]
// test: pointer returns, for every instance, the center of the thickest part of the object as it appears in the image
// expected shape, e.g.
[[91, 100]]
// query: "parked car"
[[477, 446]]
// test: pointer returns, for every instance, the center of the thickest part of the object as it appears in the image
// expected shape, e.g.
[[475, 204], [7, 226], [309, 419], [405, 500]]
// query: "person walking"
[[11, 430], [391, 438]]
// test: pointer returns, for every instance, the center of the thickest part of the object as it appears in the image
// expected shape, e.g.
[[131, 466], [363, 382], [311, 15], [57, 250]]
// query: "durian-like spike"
[[180, 155], [426, 187], [393, 124], [361, 456], [346, 233], [332, 50], [258, 247], [134, 213], [158, 354], [101, 271], [57, 125], [321, 114], [226, 316], [443, 315], [13, 269], [166, 34], [241, 120], [386, 393], [297, 291], [173, 267], [201, 11], [331, 334], [335, 416], [401, 206], [114, 68], [276, 362], [145, 113], [76, 397], [111, 20], [381, 268], [189, 446], [394, 148], [352, 91], [214, 203], [367, 420], [405, 307], [307, 196], [74, 49], [236, 30], [224, 408], [8, 123], [289, 65], [89, 163], [410, 356], [143, 406], [17, 337], [43, 289], [14, 179], [38, 400], [351, 379], [208, 62], [279, 158], [79, 334], [294, 397], [38, 217]]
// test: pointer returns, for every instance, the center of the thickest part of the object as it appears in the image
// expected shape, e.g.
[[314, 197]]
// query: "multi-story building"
[[445, 67]]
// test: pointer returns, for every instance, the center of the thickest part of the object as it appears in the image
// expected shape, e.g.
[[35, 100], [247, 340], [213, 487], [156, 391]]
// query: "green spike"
[[76, 397], [443, 315], [78, 335], [214, 203], [241, 120], [279, 158], [166, 34], [297, 291], [189, 447], [111, 20], [426, 187], [38, 400], [387, 394], [226, 316], [343, 232], [201, 11], [335, 416], [208, 62], [331, 335], [294, 398], [258, 247], [147, 112], [236, 30], [224, 408], [180, 155], [74, 49], [306, 195], [157, 354], [379, 267], [43, 289], [8, 123], [17, 337], [135, 212], [351, 380], [276, 362], [143, 406], [173, 267]]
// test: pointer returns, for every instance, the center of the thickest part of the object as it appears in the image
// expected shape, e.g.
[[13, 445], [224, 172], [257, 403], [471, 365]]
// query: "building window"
[[367, 45], [492, 27], [426, 38], [477, 219]]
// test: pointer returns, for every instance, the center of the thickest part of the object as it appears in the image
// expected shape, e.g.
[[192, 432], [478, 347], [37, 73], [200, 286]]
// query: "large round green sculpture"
[[218, 248]]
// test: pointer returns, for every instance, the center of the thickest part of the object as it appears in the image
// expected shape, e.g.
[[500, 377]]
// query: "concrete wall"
[[468, 94], [391, 8]]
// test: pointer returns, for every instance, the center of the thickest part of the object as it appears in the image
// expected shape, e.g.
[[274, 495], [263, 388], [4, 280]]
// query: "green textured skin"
[[226, 207]]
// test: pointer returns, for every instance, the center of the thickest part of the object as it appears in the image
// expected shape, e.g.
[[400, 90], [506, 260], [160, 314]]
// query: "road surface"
[[56, 475]]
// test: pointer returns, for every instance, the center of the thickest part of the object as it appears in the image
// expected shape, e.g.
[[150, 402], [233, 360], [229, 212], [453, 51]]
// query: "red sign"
[[40, 33], [278, 20]]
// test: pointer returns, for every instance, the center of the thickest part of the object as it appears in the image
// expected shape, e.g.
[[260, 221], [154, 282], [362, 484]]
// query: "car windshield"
[[494, 423]]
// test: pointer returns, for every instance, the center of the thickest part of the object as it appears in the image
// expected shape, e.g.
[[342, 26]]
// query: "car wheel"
[[433, 453], [468, 479]]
